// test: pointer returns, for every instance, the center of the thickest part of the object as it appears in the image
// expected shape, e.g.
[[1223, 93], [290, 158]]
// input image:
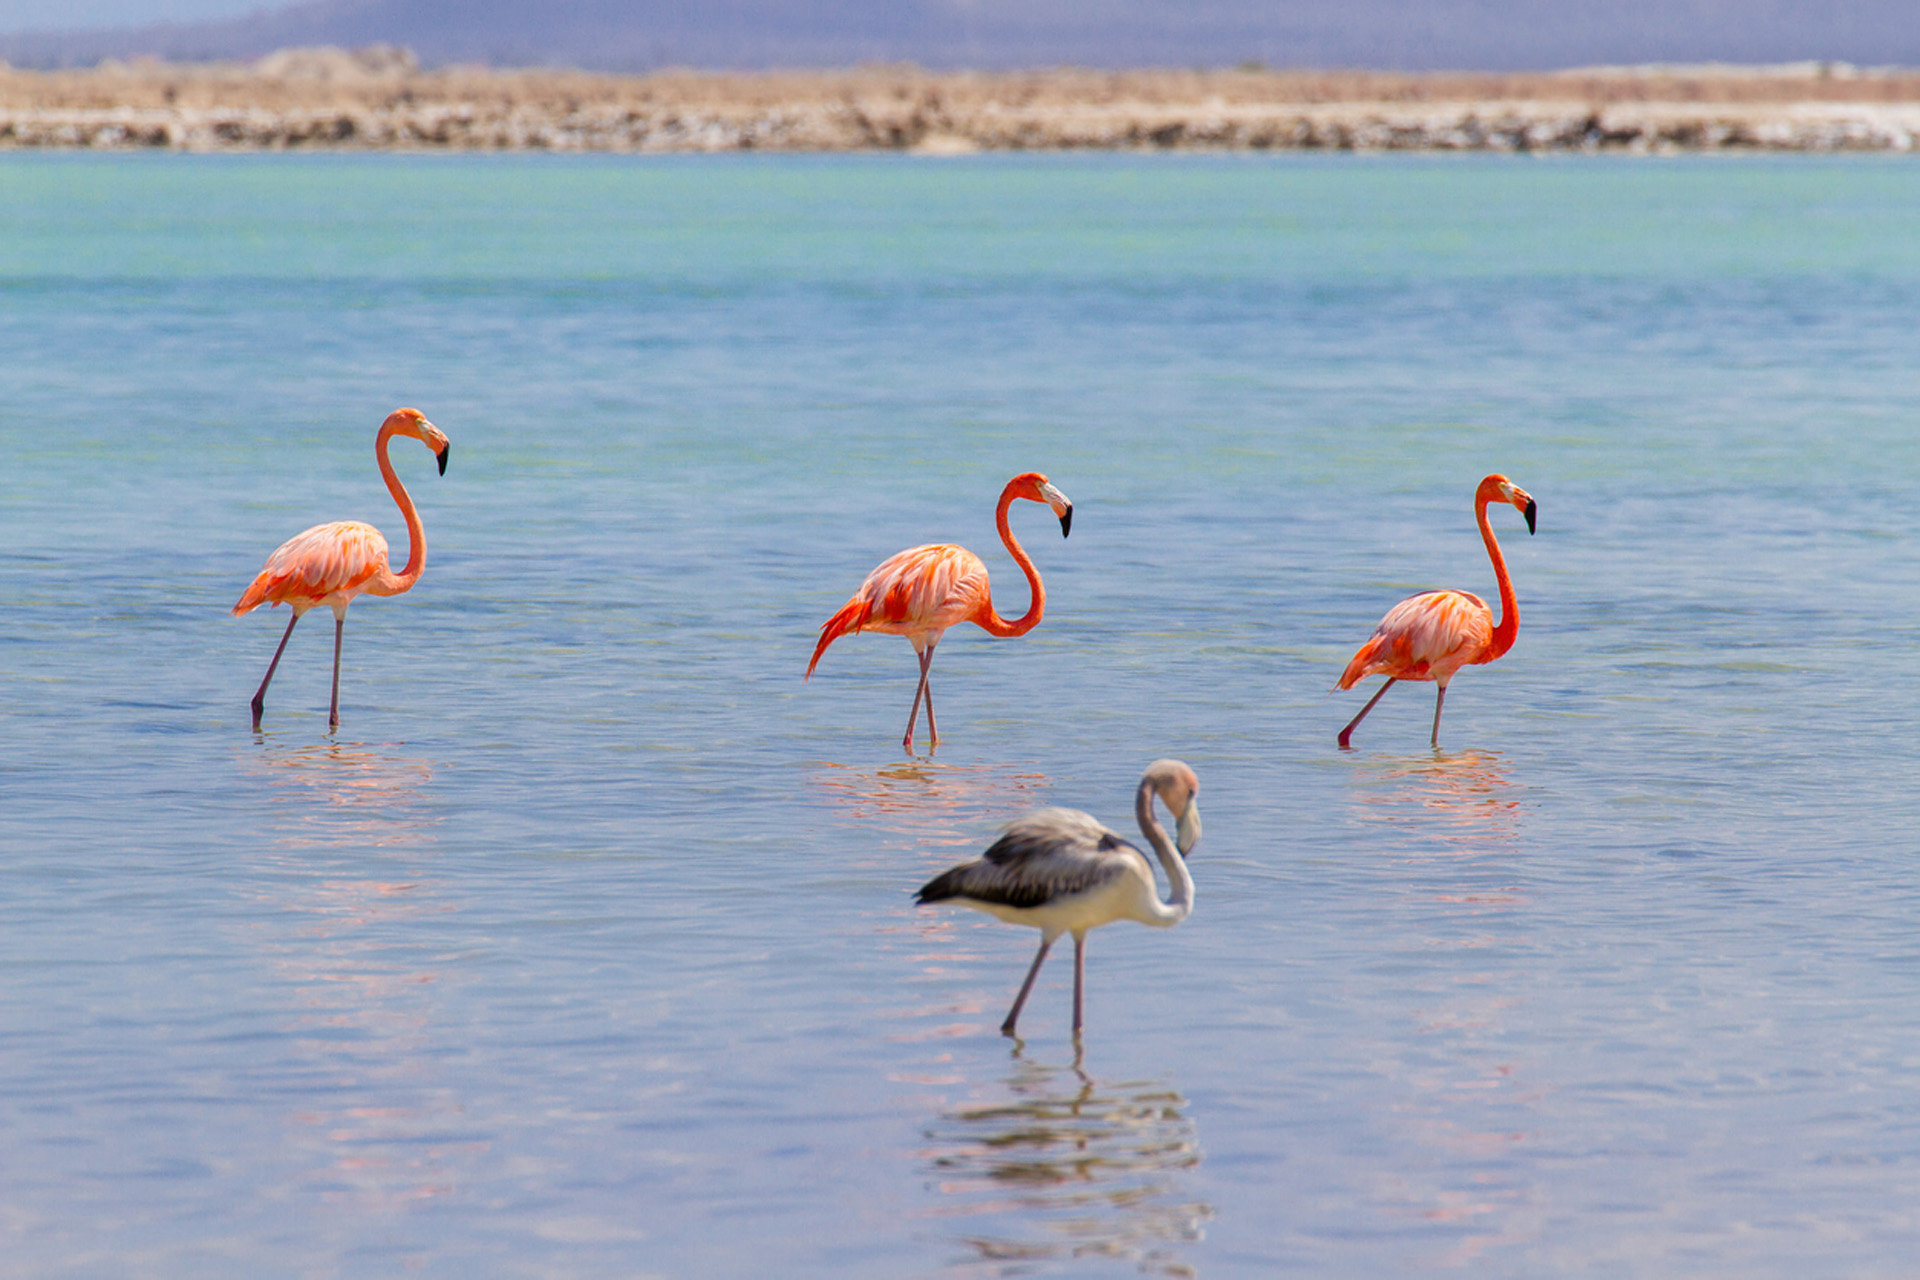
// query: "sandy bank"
[[378, 99]]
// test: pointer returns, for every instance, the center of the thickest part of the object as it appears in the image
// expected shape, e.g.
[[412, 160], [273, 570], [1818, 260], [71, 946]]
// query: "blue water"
[[586, 947]]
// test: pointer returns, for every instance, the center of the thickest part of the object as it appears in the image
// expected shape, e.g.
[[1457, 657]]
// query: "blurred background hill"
[[640, 35]]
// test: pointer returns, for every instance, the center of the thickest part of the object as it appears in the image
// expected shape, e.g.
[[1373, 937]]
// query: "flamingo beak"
[[1188, 833], [1062, 507], [445, 449], [1521, 500]]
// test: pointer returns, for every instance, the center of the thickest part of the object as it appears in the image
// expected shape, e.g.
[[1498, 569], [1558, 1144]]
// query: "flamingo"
[[1432, 635], [1061, 871], [920, 592], [330, 564]]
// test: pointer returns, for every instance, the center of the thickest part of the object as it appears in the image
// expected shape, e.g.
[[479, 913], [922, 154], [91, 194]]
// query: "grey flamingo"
[[1061, 871]]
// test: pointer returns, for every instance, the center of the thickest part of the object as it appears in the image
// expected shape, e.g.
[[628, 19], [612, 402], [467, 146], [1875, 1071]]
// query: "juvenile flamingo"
[[1060, 871], [330, 564], [1432, 635], [920, 592]]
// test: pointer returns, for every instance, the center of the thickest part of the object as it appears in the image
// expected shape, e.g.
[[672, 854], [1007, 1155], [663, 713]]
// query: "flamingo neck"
[[1180, 905], [1507, 629], [416, 535], [991, 619]]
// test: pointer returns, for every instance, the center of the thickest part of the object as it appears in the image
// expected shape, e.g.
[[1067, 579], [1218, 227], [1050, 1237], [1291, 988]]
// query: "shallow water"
[[587, 946]]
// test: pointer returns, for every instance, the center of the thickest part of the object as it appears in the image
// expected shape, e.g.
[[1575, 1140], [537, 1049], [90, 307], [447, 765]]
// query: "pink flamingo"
[[1432, 635], [920, 592], [330, 564]]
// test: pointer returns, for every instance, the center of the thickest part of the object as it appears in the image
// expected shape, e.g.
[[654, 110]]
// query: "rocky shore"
[[378, 99]]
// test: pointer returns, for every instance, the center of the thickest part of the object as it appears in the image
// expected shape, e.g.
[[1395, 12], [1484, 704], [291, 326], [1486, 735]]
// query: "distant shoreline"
[[377, 100]]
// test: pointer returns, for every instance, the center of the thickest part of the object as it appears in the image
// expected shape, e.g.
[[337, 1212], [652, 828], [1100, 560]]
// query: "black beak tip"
[[442, 455], [1530, 511], [1066, 522]]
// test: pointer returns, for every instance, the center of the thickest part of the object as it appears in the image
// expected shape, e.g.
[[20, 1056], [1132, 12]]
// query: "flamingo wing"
[[1046, 855], [915, 593], [1423, 636], [924, 588], [322, 562]]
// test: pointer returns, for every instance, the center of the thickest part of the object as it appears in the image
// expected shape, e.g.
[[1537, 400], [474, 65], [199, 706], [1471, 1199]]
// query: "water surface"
[[587, 947]]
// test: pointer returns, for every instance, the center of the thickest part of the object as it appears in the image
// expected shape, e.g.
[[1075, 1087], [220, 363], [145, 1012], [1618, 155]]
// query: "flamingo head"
[[412, 422], [1178, 787], [1035, 487], [1497, 488]]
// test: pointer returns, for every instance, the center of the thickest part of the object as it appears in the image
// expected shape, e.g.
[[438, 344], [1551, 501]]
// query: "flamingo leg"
[[1079, 981], [933, 734], [1348, 731], [913, 716], [260, 694], [1020, 1001], [333, 711], [1439, 700]]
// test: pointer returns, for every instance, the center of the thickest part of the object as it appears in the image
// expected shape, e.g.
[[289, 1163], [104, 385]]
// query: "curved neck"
[[416, 536], [1180, 905], [1508, 628], [991, 619]]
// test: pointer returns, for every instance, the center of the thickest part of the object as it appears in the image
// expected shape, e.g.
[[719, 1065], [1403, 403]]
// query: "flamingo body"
[[1432, 635], [921, 592], [328, 564], [332, 563], [1063, 871], [1057, 870], [1426, 637], [917, 593]]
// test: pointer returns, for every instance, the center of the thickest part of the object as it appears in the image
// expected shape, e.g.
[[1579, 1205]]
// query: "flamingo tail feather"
[[852, 617], [1361, 666], [254, 596]]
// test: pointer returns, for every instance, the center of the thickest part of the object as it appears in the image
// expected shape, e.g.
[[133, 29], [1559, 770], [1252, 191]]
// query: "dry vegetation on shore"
[[377, 98]]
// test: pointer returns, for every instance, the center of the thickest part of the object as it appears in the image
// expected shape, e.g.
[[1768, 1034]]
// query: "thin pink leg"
[[1348, 731], [1438, 700], [933, 734], [1020, 1001], [333, 712], [260, 694], [1079, 981], [913, 716]]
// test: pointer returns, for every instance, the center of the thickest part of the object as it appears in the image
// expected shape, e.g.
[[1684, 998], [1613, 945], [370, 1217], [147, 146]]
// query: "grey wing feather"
[[1050, 854]]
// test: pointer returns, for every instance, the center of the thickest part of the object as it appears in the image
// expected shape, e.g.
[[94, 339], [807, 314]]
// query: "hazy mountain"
[[1385, 34]]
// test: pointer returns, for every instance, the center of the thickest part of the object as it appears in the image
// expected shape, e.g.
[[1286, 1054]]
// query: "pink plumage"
[[1432, 635], [920, 592], [917, 593], [1425, 637], [313, 568], [330, 564]]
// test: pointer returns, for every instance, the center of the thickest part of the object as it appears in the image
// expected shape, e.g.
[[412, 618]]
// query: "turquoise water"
[[587, 947]]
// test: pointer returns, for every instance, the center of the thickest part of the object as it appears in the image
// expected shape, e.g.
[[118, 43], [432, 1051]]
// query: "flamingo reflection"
[[1461, 797], [345, 875], [341, 795], [1463, 1101], [1051, 1164]]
